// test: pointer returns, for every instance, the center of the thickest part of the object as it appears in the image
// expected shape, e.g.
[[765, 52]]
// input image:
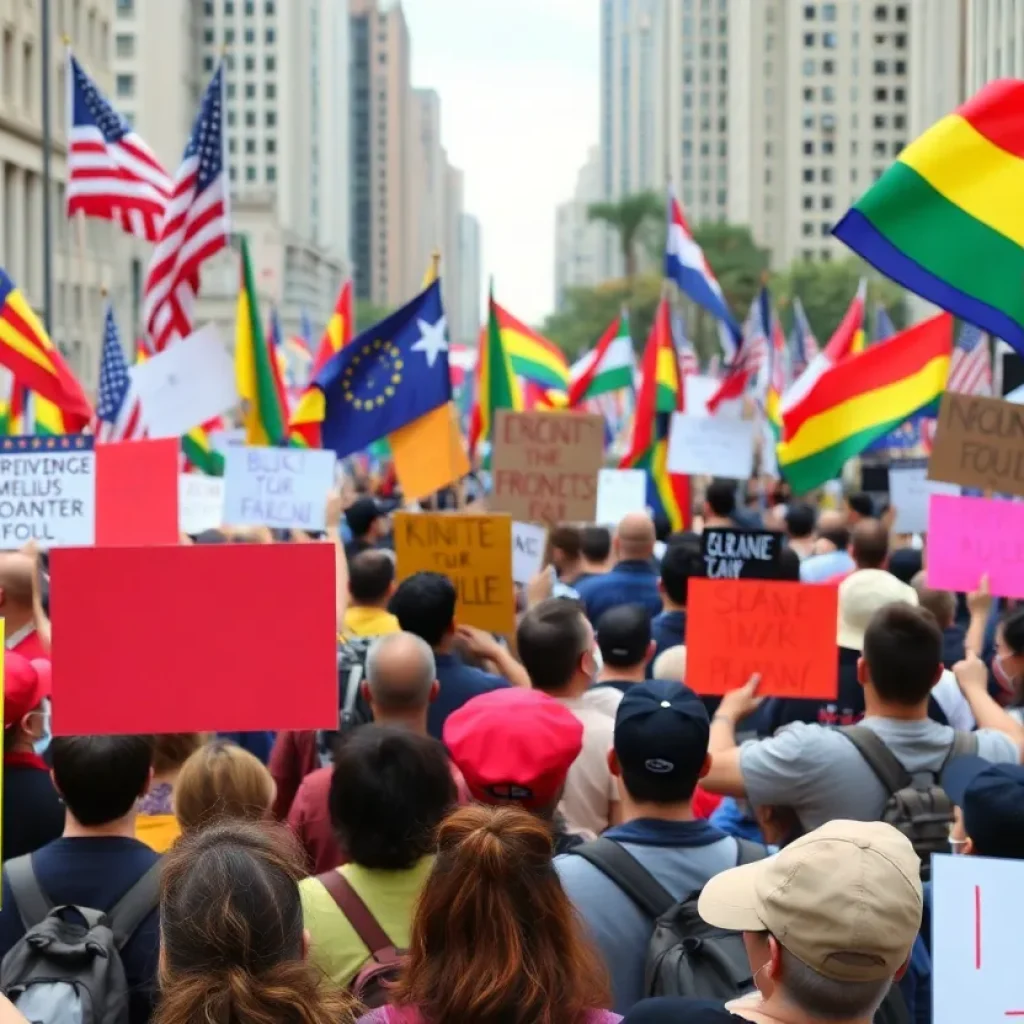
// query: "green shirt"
[[390, 896]]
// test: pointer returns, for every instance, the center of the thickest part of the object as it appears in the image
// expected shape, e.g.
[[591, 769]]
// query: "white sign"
[[619, 492], [283, 488], [711, 446], [909, 490], [47, 491], [186, 384], [976, 905], [698, 391], [528, 542], [221, 440], [200, 502]]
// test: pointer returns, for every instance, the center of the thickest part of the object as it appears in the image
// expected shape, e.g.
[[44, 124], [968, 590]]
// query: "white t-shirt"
[[590, 787]]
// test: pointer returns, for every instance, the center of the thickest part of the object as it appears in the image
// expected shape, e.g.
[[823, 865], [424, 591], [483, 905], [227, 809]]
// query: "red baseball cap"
[[514, 746], [26, 683]]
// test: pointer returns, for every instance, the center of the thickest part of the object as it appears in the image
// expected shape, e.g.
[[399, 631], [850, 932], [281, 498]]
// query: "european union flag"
[[390, 375]]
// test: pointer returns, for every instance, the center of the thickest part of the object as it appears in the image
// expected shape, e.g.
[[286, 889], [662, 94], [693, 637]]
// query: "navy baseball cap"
[[661, 731], [991, 799]]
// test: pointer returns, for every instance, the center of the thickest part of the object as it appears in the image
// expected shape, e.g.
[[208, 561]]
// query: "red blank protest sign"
[[137, 492], [193, 638], [785, 631]]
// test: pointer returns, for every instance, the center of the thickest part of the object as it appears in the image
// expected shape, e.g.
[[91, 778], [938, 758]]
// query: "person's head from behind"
[[902, 655], [17, 571], [424, 604], [861, 595], [680, 563], [596, 547], [371, 578], [859, 506], [829, 922], [565, 546], [624, 639], [170, 752], [401, 679], [389, 791], [100, 778], [869, 544], [556, 646], [789, 565], [989, 816], [495, 936], [941, 603], [720, 500], [660, 749], [26, 704], [514, 747], [831, 532], [671, 664], [366, 520], [232, 943], [221, 781], [800, 521], [635, 537]]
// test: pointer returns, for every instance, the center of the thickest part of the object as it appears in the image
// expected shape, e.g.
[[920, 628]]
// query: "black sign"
[[741, 554]]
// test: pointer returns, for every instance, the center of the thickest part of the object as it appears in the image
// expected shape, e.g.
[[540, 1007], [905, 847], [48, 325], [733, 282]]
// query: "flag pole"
[[47, 170]]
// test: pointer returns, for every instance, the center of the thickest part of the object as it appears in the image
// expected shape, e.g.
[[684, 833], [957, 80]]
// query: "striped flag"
[[195, 227], [752, 356], [802, 341], [118, 413], [112, 173], [970, 370]]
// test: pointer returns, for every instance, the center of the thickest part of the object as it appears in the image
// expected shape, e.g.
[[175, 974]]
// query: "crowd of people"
[[545, 828]]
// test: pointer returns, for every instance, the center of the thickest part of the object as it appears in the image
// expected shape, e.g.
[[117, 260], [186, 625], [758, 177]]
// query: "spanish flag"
[[27, 351]]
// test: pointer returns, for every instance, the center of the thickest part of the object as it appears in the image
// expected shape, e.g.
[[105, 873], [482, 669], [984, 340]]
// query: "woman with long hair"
[[233, 948], [495, 939]]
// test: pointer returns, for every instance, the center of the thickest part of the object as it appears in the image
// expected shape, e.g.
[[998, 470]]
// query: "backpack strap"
[[618, 865], [747, 852], [351, 904], [135, 905], [880, 759], [33, 903], [965, 744]]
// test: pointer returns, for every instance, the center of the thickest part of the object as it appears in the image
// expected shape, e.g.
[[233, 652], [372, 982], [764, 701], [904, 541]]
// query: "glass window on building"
[[271, 174], [124, 44], [124, 85]]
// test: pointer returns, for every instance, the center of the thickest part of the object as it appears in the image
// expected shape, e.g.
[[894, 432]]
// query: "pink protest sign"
[[971, 536]]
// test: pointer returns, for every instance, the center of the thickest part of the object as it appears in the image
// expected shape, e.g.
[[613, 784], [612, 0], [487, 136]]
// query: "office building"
[[579, 242], [470, 317], [994, 41]]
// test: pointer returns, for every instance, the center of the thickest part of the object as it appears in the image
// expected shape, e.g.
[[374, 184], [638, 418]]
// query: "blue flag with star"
[[390, 375]]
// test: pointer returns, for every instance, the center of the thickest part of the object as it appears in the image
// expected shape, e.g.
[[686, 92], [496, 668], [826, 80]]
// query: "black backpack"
[[354, 710], [685, 955]]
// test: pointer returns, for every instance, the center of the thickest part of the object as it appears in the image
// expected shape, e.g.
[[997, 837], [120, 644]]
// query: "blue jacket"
[[634, 582]]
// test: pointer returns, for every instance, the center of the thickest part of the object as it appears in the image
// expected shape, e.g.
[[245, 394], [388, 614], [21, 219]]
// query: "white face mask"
[[595, 653]]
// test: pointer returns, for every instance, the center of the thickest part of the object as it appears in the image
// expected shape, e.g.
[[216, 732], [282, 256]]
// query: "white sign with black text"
[[528, 543]]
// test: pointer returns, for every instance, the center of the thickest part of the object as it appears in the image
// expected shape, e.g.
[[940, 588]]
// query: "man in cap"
[[368, 525], [989, 801]]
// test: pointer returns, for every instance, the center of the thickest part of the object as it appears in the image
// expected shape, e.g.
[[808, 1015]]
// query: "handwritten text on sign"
[[784, 631], [741, 554], [474, 552], [283, 488], [47, 491], [545, 466]]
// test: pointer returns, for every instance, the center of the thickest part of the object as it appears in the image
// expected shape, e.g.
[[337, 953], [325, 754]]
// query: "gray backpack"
[[67, 967], [917, 805]]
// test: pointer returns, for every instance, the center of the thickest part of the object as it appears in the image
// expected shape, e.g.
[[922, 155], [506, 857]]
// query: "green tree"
[[627, 217], [368, 314]]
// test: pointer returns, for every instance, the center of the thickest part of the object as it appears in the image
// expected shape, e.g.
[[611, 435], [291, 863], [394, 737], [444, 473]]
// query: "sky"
[[519, 88]]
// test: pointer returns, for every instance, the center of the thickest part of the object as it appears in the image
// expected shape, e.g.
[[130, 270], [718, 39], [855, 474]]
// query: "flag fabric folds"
[[944, 219], [118, 413], [264, 417], [532, 357], [752, 355], [33, 359], [970, 370], [863, 398], [802, 339], [392, 374], [112, 174], [609, 366], [496, 384]]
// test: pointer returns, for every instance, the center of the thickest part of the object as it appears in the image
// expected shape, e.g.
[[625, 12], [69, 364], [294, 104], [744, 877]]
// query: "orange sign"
[[784, 631]]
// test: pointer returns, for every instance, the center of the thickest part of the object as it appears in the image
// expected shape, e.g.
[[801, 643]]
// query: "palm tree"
[[627, 216]]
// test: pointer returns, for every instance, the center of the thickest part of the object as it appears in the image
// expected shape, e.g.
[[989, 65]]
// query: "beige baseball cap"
[[861, 594], [845, 899]]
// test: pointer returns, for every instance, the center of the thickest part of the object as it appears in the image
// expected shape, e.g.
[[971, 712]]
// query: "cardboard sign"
[[47, 491], [711, 446], [544, 466], [785, 631], [200, 502], [137, 492], [619, 492], [474, 552], [130, 657], [975, 920], [528, 542], [283, 488], [741, 554], [909, 491], [971, 536], [979, 442]]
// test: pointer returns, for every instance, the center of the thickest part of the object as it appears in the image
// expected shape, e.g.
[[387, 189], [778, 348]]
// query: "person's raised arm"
[[335, 508], [725, 775], [483, 645], [979, 604], [972, 675], [40, 620]]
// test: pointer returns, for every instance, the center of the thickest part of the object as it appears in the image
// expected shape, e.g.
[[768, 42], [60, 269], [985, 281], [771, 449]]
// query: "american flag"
[[752, 362], [196, 226], [118, 413], [970, 369], [688, 361], [802, 341], [112, 173]]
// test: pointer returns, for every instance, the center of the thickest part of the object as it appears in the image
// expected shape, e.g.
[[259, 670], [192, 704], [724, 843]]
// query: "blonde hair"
[[221, 781]]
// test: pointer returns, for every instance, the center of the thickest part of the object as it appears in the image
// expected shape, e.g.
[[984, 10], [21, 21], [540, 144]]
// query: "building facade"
[[469, 312], [994, 41], [579, 242]]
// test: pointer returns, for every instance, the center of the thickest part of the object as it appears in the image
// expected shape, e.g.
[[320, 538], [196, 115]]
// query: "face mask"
[[598, 660], [41, 745], [1003, 676]]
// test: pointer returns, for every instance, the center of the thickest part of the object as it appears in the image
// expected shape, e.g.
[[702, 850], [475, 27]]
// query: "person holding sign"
[[26, 627]]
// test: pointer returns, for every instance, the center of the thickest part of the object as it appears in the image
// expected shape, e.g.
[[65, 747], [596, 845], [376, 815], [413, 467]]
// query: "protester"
[[818, 771], [679, 565], [859, 506], [371, 582], [989, 802], [389, 791], [26, 629], [595, 552], [234, 947], [800, 522], [515, 747], [97, 860], [671, 664], [156, 824], [720, 504], [556, 643], [222, 781], [425, 605], [495, 938], [633, 580], [624, 640], [1008, 658], [565, 547], [32, 811], [942, 604], [368, 526], [905, 563], [830, 557], [660, 752]]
